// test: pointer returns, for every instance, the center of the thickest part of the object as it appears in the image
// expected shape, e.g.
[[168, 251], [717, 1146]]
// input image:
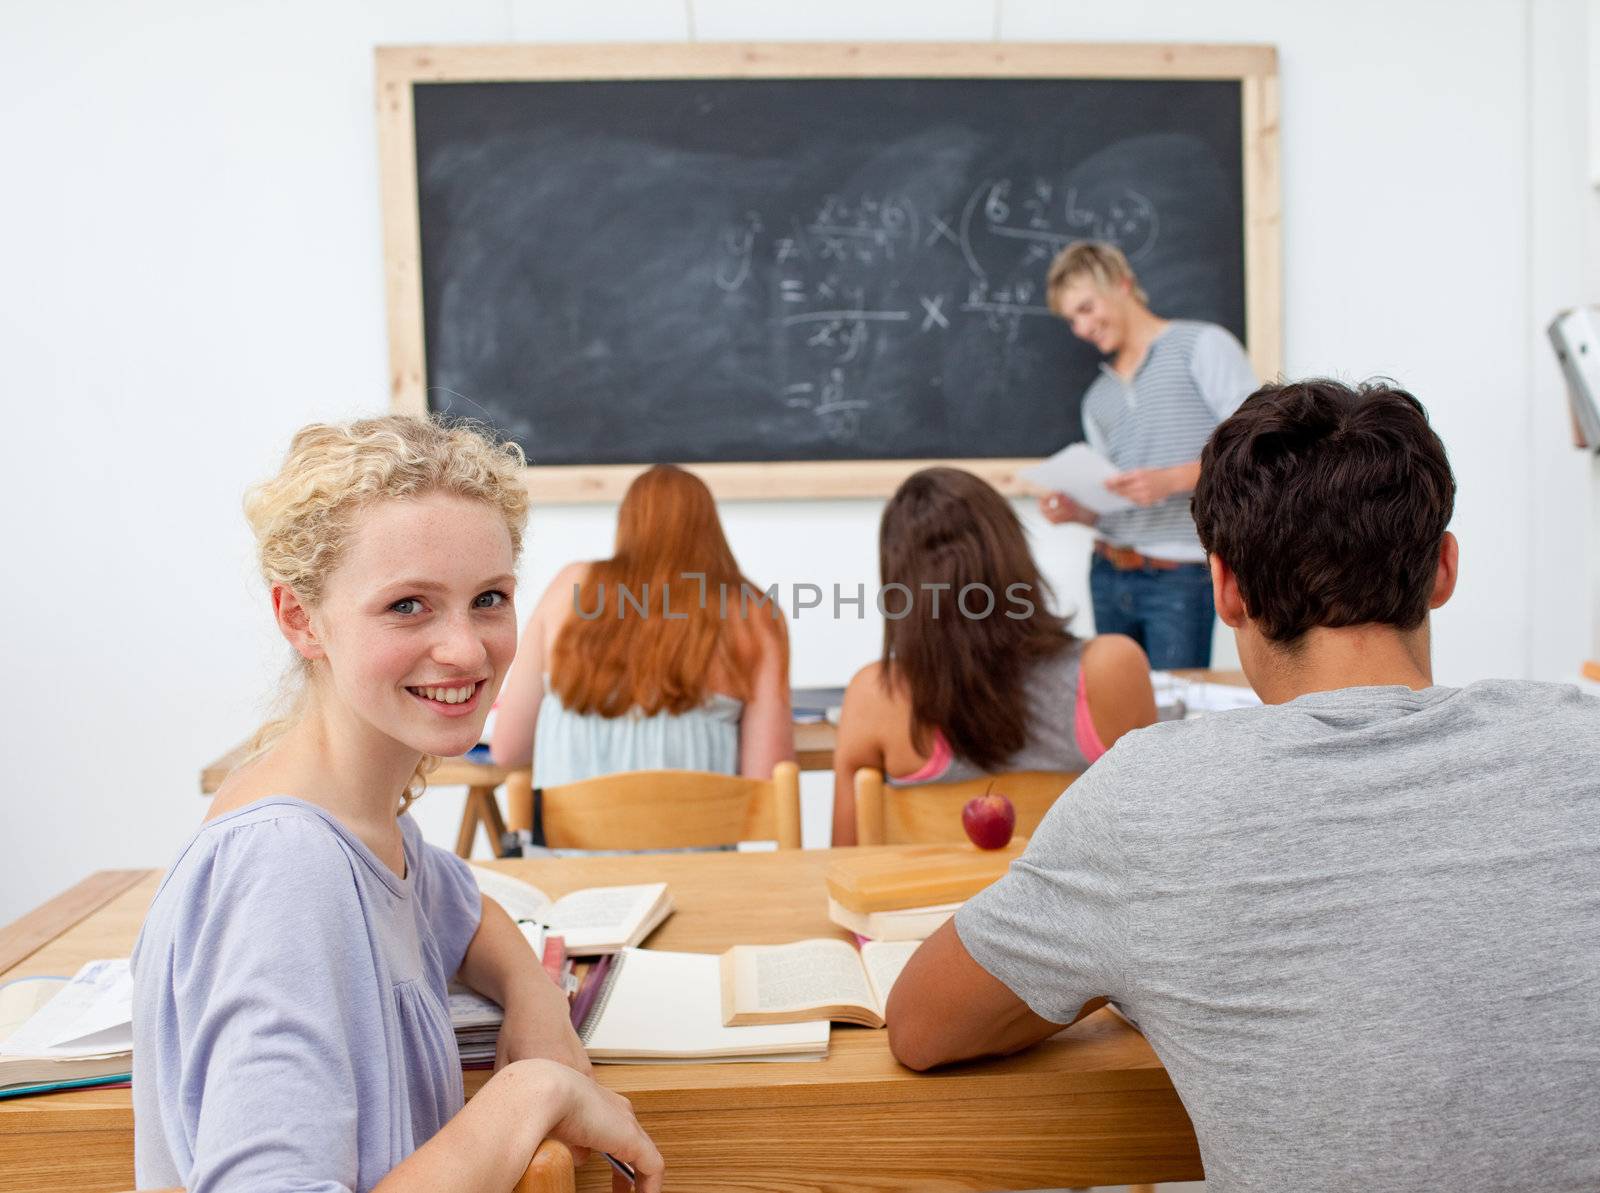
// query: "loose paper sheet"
[[1081, 473]]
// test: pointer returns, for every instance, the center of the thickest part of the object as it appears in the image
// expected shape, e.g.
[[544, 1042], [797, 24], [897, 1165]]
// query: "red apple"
[[989, 820]]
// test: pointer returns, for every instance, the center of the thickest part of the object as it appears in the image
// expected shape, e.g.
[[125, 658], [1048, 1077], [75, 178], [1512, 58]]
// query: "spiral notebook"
[[658, 1008]]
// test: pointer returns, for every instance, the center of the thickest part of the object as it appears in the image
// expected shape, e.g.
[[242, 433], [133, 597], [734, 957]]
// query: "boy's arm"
[[946, 1007], [1035, 951]]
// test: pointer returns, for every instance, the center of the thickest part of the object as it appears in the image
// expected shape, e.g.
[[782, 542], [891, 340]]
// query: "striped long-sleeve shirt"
[[1192, 377]]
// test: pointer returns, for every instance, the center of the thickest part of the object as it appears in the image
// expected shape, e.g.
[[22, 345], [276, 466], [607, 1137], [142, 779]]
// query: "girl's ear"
[[294, 622]]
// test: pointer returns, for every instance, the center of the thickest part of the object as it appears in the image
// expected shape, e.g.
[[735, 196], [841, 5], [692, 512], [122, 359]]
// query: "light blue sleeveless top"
[[569, 746]]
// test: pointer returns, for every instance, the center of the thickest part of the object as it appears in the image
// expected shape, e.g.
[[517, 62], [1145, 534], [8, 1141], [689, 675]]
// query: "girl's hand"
[[587, 1115]]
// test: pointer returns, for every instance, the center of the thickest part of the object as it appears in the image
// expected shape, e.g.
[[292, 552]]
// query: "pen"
[[621, 1166]]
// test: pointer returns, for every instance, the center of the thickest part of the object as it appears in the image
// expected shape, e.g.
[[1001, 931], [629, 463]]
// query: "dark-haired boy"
[[1361, 924]]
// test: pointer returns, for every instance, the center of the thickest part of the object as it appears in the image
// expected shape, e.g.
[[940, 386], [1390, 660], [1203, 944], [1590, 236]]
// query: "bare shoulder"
[[556, 602], [865, 682], [771, 630], [1117, 675], [870, 699], [281, 768], [246, 783], [1111, 655], [560, 587]]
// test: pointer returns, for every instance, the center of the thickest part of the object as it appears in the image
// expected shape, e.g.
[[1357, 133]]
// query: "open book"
[[601, 919], [58, 1033], [811, 979], [658, 1007]]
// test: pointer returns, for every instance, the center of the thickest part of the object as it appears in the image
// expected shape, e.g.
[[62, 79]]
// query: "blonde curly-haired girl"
[[291, 1022]]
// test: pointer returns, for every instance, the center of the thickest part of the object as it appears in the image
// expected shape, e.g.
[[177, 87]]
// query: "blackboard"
[[621, 271]]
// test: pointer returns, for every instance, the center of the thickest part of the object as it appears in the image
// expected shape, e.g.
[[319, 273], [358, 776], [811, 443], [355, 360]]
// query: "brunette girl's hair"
[[945, 531], [652, 622]]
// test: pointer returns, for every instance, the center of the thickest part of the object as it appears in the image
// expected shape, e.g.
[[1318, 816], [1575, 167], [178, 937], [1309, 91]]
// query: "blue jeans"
[[1168, 611]]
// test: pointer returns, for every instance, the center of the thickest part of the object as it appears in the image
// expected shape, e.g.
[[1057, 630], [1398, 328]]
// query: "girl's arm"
[[500, 964], [766, 728], [517, 712], [487, 1145], [859, 744], [1120, 696]]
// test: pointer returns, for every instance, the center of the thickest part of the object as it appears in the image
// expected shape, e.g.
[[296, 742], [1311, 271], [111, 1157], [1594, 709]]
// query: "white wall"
[[192, 268]]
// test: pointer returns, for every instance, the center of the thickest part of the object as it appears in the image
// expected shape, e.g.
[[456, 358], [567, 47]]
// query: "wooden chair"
[[930, 813], [662, 809], [550, 1171]]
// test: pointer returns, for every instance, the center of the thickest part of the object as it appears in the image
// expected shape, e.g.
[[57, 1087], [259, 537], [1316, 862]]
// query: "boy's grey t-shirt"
[[291, 1026], [1361, 930]]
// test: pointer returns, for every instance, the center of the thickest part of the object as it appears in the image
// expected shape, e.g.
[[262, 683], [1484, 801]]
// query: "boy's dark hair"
[[1328, 503]]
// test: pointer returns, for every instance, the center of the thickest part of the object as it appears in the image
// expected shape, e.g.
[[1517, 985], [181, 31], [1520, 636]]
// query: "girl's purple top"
[[291, 1024]]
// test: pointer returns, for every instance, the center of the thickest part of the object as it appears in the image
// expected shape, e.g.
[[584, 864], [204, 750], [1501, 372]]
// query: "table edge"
[[24, 937]]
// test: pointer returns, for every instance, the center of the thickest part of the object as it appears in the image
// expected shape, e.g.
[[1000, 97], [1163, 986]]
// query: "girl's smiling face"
[[416, 628]]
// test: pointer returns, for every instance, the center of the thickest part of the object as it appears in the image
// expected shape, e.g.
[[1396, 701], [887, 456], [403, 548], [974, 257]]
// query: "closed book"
[[917, 876], [910, 923]]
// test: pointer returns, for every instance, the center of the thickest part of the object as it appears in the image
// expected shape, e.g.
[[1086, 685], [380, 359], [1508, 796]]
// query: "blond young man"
[[1164, 387]]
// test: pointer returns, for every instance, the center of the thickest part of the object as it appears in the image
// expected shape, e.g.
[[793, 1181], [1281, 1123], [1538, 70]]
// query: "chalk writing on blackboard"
[[839, 269], [1006, 233]]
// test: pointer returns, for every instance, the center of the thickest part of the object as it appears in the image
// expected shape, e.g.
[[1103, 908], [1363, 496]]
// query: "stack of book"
[[476, 1020], [813, 706], [910, 894]]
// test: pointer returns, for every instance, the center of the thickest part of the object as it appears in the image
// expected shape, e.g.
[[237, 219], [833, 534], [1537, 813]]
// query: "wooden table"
[[1090, 1107], [813, 743]]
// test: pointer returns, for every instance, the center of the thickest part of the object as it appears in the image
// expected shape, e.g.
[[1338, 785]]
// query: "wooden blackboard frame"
[[400, 68]]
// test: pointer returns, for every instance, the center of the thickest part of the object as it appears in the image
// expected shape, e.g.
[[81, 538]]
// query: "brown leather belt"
[[1126, 559]]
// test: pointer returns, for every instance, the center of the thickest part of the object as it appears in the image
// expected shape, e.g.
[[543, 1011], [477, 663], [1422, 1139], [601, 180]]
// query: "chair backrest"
[[550, 1171], [930, 813], [667, 809]]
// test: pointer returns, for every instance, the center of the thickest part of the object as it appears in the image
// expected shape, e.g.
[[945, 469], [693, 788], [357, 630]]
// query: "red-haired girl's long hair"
[[610, 659]]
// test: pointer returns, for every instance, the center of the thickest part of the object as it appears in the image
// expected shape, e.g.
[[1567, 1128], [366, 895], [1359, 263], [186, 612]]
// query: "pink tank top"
[[943, 764]]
